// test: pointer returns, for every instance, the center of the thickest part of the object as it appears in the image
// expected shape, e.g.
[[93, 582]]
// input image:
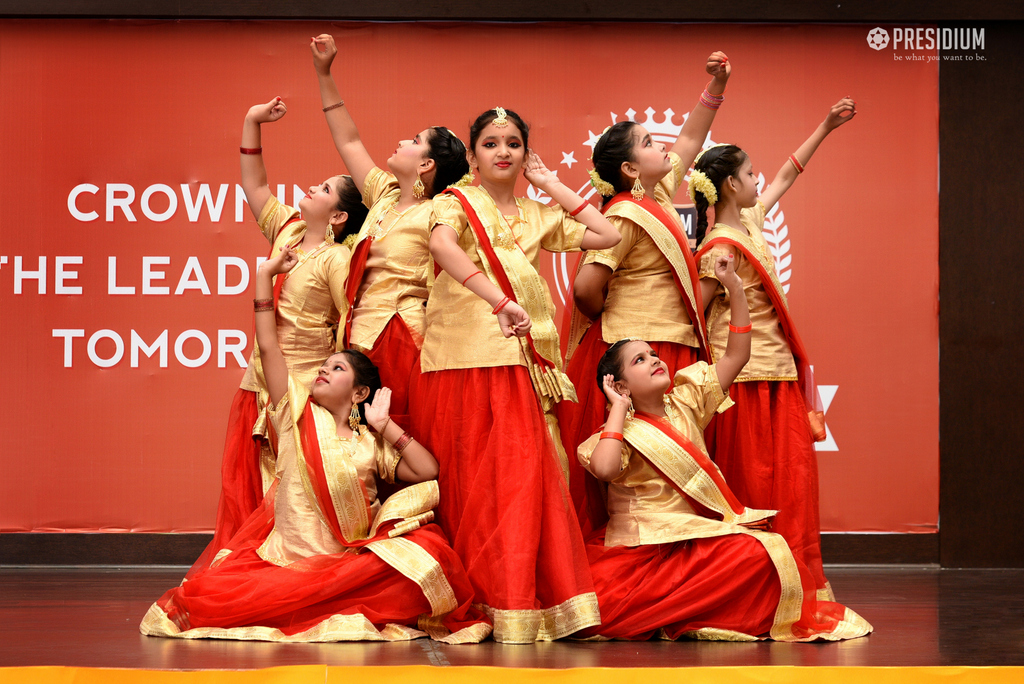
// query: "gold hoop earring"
[[638, 190], [353, 417], [418, 189]]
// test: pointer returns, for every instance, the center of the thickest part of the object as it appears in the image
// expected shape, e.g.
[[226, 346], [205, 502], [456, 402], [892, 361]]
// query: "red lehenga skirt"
[[396, 353], [578, 421], [764, 449], [241, 484], [719, 588], [335, 597], [504, 501]]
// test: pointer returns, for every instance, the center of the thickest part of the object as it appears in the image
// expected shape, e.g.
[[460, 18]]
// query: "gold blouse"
[[397, 267], [643, 300], [461, 330], [312, 298], [770, 357], [298, 530], [643, 508]]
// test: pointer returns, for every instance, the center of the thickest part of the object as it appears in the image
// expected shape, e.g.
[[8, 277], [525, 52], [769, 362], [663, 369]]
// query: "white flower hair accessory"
[[699, 182]]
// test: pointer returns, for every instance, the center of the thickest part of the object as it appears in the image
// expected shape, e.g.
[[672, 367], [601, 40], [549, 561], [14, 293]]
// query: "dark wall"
[[981, 254]]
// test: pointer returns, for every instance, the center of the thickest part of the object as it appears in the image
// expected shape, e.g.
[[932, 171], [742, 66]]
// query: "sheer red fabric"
[[722, 583], [395, 354], [765, 451], [578, 421], [504, 502], [244, 590], [241, 488]]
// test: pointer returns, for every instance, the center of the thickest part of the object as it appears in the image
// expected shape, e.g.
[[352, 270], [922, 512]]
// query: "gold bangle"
[[263, 305]]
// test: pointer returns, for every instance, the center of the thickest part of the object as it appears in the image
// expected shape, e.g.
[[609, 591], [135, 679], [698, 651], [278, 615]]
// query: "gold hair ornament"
[[500, 118], [708, 148], [464, 181]]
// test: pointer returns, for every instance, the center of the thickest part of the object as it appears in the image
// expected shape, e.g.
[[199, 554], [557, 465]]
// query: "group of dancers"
[[406, 456]]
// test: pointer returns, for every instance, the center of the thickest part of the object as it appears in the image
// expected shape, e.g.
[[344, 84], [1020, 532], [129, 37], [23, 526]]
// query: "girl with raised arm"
[[637, 178], [387, 286], [488, 387], [310, 302], [681, 556], [322, 559], [765, 444]]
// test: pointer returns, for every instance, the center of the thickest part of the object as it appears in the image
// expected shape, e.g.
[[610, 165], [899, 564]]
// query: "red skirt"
[[504, 502], [241, 484], [578, 421], [764, 449], [395, 353], [243, 590], [726, 583]]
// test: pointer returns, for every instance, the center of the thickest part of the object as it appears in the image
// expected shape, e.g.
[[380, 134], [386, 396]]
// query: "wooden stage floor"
[[89, 617]]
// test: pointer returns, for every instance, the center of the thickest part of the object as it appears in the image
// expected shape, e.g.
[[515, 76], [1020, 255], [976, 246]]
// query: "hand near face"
[[378, 411]]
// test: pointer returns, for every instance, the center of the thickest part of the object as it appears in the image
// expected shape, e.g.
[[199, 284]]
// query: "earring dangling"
[[418, 189], [630, 411], [329, 235], [638, 190], [353, 417]]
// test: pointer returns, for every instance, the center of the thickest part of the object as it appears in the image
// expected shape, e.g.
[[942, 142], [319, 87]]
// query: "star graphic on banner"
[[568, 159]]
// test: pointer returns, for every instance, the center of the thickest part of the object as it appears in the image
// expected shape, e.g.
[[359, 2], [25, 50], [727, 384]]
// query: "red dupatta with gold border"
[[773, 288]]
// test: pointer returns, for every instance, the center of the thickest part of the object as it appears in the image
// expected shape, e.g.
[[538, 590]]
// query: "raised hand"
[[379, 410], [840, 113], [719, 66], [268, 112], [535, 171], [324, 51], [615, 398], [725, 271], [514, 320]]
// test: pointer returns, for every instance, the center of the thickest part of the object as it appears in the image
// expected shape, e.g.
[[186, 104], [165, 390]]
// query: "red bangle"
[[402, 442], [470, 276], [741, 328], [611, 435], [501, 305], [796, 163], [579, 208], [251, 150]]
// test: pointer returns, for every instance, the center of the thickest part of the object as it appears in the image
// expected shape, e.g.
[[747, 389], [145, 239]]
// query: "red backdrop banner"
[[126, 249]]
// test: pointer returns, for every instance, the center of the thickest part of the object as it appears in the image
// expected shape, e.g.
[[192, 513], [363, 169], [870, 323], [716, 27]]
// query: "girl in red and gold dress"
[[681, 556], [387, 285], [310, 303], [637, 178], [488, 387], [765, 444], [321, 559]]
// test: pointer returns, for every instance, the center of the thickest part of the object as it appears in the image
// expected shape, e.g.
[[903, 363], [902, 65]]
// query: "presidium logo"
[[878, 38]]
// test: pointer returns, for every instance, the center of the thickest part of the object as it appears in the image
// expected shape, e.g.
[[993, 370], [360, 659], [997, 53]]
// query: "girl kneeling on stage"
[[680, 556], [322, 559]]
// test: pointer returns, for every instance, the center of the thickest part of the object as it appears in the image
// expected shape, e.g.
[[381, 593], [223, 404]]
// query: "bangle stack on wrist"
[[251, 150], [711, 101], [740, 329], [259, 305]]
